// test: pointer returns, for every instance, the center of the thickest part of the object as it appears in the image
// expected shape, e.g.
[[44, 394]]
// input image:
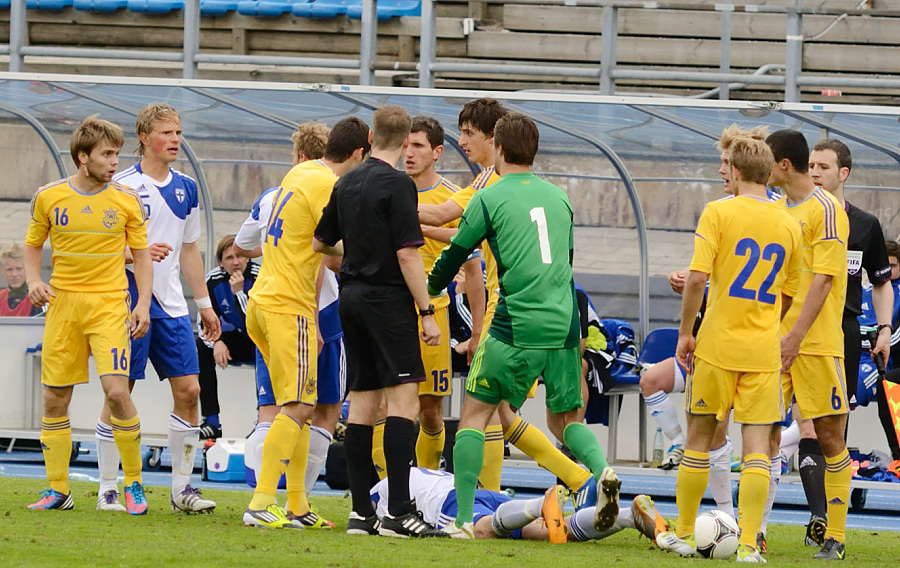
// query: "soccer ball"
[[716, 534]]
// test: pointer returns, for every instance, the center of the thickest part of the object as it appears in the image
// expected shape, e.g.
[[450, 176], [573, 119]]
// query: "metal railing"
[[606, 72]]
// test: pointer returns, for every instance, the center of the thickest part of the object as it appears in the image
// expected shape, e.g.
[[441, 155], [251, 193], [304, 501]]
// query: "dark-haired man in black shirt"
[[372, 220], [829, 167]]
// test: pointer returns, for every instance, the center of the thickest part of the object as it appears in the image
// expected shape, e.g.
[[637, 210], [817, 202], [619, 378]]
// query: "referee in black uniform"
[[829, 167], [373, 214]]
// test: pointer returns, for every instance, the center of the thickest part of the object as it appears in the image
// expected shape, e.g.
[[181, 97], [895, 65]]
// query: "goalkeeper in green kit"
[[528, 224]]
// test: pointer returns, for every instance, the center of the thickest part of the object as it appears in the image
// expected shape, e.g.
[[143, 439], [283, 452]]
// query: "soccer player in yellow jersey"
[[90, 220], [282, 319], [812, 349], [750, 252], [425, 147]]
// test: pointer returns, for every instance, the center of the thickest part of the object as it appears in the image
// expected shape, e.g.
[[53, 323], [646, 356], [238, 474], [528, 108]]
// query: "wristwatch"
[[429, 311]]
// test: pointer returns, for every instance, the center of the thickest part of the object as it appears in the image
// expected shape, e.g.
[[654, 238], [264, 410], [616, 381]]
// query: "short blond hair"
[[752, 158], [310, 139], [150, 113], [13, 251], [390, 127], [91, 133], [733, 132]]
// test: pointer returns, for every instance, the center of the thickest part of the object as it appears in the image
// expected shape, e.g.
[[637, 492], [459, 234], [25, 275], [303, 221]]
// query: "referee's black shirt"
[[374, 210], [865, 250]]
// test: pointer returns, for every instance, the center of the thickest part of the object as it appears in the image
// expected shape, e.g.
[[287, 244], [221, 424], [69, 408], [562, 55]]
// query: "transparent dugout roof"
[[629, 163]]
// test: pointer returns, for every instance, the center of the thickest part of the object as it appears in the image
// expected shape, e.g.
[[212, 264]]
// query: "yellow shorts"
[[80, 324], [436, 358], [713, 390], [817, 383], [288, 345]]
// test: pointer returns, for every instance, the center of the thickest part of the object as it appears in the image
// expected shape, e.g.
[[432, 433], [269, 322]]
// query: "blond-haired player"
[[90, 221], [749, 250]]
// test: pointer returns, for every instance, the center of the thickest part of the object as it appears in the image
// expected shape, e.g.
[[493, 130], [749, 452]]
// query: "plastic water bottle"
[[658, 448]]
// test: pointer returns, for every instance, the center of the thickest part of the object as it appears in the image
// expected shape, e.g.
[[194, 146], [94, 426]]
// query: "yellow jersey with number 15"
[[88, 233], [443, 190], [825, 230], [752, 251], [287, 279]]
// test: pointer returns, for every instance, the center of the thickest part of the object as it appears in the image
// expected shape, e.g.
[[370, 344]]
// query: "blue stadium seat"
[[270, 8], [217, 7], [155, 6], [659, 345], [47, 5], [99, 5], [325, 8], [387, 9], [4, 4]]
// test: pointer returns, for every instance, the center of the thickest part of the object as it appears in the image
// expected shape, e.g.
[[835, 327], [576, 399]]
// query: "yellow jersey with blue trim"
[[462, 197], [440, 192], [287, 280], [88, 234], [752, 251], [825, 229]]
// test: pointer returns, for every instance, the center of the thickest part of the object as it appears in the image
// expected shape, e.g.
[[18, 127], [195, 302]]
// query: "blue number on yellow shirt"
[[275, 221], [120, 362], [441, 382], [750, 248], [61, 218]]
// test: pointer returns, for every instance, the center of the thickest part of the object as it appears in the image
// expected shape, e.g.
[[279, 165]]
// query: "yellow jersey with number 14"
[[287, 279], [443, 190], [752, 251], [825, 229], [88, 233]]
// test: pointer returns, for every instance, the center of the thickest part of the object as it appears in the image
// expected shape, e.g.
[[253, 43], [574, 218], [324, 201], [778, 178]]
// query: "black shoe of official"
[[209, 432], [815, 532], [408, 525], [831, 550], [357, 524]]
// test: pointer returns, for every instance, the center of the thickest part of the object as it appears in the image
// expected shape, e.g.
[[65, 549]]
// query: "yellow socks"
[[378, 450], [534, 443], [296, 474], [492, 470], [837, 494], [693, 477], [429, 448], [56, 441], [754, 489], [277, 451], [127, 434]]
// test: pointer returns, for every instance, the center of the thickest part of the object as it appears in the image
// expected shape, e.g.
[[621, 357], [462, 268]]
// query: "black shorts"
[[381, 336], [852, 349]]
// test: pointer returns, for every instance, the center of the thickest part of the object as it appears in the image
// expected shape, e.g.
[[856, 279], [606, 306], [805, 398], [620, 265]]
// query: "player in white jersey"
[[499, 516], [171, 201], [309, 143]]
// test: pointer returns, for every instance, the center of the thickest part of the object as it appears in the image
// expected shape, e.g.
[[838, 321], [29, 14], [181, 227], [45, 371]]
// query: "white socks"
[[662, 409], [774, 478], [581, 524], [183, 441], [319, 440], [515, 514], [720, 477], [253, 447], [107, 457]]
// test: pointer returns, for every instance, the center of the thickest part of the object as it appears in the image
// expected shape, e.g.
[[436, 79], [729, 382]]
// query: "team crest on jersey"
[[311, 386], [179, 194], [110, 217]]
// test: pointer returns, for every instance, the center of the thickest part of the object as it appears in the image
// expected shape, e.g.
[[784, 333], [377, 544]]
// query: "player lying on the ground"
[[499, 516]]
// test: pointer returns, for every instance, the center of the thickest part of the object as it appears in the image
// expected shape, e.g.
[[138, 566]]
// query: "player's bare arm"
[[143, 276], [692, 298], [477, 303], [677, 279], [883, 298], [252, 253], [815, 299], [442, 234], [332, 263], [336, 250], [414, 274], [437, 215], [192, 267], [39, 292]]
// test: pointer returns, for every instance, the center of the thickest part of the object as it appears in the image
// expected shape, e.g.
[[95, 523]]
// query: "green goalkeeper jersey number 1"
[[528, 224]]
